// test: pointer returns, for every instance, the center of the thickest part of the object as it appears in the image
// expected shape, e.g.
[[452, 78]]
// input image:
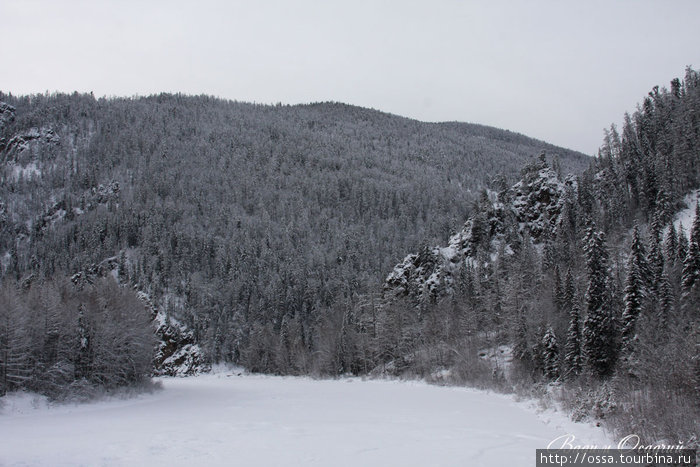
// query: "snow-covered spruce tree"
[[691, 264], [638, 255], [655, 260], [682, 248], [550, 354], [569, 291], [671, 245], [559, 293], [664, 211], [572, 351], [599, 341], [635, 292], [691, 271]]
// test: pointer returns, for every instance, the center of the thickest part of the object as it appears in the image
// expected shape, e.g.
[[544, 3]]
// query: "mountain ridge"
[[235, 217]]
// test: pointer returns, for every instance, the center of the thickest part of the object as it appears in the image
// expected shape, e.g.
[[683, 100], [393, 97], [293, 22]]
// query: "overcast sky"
[[559, 70]]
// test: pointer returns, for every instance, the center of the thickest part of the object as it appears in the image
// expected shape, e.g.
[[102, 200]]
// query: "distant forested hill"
[[241, 220]]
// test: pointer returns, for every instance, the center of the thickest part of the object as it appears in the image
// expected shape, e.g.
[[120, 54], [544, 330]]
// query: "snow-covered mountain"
[[253, 216]]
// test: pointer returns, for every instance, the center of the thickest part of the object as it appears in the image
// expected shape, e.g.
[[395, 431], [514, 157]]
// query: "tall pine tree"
[[655, 260], [550, 354], [599, 341], [569, 291], [691, 264], [682, 249], [634, 292], [671, 245], [572, 351]]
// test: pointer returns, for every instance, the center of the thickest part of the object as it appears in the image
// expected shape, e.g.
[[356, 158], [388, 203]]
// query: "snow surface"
[[227, 419], [686, 216]]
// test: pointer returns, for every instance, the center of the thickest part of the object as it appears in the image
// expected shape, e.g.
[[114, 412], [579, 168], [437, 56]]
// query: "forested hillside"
[[592, 282], [253, 226]]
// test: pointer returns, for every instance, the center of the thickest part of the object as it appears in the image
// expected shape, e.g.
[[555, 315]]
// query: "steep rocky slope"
[[529, 209]]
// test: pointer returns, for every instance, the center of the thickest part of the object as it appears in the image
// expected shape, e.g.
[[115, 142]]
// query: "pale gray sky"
[[555, 70]]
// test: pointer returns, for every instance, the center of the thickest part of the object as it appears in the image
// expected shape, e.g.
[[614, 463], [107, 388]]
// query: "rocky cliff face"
[[177, 353], [7, 115], [537, 200], [530, 209]]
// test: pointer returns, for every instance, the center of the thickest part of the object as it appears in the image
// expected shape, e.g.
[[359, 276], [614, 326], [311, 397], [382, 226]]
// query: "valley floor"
[[226, 419]]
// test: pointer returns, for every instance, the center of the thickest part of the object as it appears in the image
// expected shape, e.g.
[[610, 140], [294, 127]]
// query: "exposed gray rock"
[[529, 209]]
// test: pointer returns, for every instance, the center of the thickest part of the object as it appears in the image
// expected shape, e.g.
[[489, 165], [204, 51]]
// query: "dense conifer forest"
[[269, 234], [241, 221], [589, 286]]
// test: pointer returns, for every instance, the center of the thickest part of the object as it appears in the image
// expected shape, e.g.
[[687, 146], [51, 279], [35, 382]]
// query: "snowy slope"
[[685, 217], [224, 419]]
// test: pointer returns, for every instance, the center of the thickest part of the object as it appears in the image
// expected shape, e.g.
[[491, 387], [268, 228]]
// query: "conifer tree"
[[671, 245], [569, 290], [663, 206], [691, 264], [559, 291], [666, 301], [695, 229], [655, 260], [572, 355], [691, 268], [638, 254], [599, 334], [634, 292], [682, 250], [521, 349], [550, 354]]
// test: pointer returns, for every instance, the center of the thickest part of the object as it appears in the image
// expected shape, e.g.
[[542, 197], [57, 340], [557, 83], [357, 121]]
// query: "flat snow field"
[[228, 420]]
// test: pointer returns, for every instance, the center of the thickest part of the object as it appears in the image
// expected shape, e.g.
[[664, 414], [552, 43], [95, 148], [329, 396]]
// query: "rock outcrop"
[[530, 209], [177, 353]]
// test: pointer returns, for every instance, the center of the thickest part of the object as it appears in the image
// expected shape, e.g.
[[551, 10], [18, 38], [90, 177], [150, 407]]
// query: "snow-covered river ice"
[[224, 419]]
